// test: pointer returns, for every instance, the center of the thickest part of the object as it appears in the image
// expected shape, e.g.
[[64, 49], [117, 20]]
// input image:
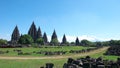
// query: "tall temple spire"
[[39, 33], [15, 35], [33, 31], [45, 38], [77, 41], [64, 40], [54, 36], [54, 39]]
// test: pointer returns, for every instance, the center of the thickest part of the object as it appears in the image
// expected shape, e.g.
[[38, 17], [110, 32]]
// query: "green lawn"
[[105, 56], [41, 62], [37, 63], [30, 50], [30, 63]]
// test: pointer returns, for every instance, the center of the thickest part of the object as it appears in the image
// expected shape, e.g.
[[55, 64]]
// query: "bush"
[[25, 39], [2, 41]]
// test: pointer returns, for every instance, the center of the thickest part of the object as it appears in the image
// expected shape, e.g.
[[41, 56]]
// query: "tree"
[[54, 40], [39, 33], [15, 35], [40, 41], [118, 42], [77, 41], [2, 41], [72, 43], [99, 43], [33, 31], [85, 42], [105, 43], [114, 42], [45, 39], [25, 39]]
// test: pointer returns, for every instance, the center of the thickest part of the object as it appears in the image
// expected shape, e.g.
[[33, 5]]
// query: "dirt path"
[[59, 57]]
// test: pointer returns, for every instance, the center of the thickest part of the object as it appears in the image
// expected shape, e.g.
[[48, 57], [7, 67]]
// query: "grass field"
[[30, 50], [36, 63], [30, 63]]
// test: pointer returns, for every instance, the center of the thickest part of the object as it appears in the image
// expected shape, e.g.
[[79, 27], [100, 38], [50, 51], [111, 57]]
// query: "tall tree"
[[114, 42], [85, 42], [33, 31], [77, 41], [25, 39], [64, 40], [39, 33], [2, 41], [45, 39], [40, 41], [98, 43], [54, 39], [15, 35]]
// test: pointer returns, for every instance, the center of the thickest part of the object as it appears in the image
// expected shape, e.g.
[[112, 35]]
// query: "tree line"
[[27, 39]]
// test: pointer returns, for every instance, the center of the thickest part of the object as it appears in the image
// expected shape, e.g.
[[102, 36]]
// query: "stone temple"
[[33, 32]]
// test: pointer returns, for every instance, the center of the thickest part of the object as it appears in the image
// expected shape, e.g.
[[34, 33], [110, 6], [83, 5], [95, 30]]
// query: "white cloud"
[[87, 37], [73, 38], [49, 38], [90, 38], [70, 38], [7, 36]]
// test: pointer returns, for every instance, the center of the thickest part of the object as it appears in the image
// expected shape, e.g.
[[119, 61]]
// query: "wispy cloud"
[[90, 38], [5, 36]]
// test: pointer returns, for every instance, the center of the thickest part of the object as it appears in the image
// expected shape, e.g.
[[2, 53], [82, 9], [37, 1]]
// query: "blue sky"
[[87, 19]]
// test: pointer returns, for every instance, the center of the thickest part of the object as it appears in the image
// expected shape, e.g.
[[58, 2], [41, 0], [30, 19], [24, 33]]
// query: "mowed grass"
[[31, 50], [30, 63], [106, 57], [37, 63]]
